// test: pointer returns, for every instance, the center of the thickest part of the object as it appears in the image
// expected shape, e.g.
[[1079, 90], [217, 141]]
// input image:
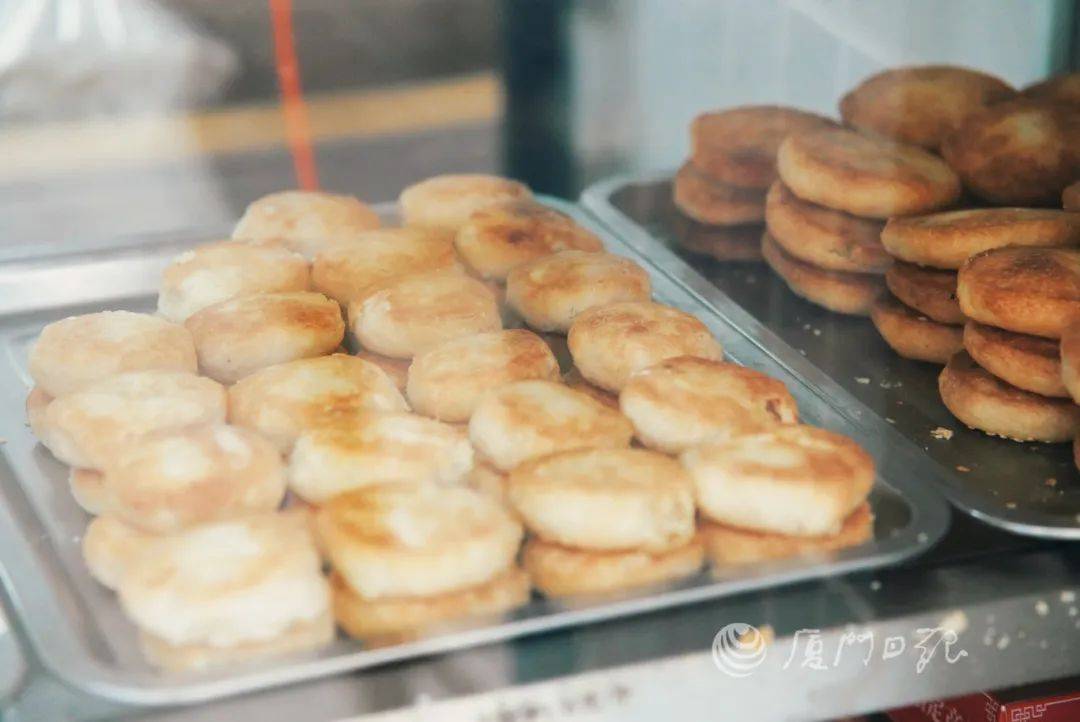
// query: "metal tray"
[[1026, 488], [79, 631]]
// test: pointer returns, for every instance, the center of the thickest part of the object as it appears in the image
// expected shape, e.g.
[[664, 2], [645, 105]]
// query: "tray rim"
[[597, 200], [63, 655]]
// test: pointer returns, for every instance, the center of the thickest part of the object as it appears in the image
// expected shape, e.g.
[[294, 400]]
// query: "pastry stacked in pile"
[[721, 189], [843, 184], [229, 446], [995, 287], [838, 187], [988, 292]]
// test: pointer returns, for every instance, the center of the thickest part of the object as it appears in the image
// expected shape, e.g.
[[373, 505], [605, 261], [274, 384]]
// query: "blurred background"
[[149, 117]]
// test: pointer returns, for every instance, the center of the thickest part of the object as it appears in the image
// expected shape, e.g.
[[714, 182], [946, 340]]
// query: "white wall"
[[643, 68]]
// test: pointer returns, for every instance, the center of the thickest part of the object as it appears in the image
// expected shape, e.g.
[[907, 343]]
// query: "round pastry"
[[499, 237], [550, 292], [576, 381], [110, 547], [794, 480], [418, 313], [282, 401], [89, 490], [37, 401], [559, 571], [396, 368], [713, 202], [1028, 290], [370, 448], [305, 221], [215, 272], [1070, 360], [246, 580], [303, 636], [738, 145], [728, 546], [177, 478], [610, 342], [92, 427], [1070, 197], [237, 337], [929, 291], [353, 271], [946, 240], [1027, 362], [850, 293], [913, 335], [447, 201], [831, 240], [375, 620], [1064, 88], [605, 499], [986, 403], [77, 351], [920, 105], [1017, 153], [865, 176], [449, 381], [527, 419], [685, 401], [412, 540], [727, 244]]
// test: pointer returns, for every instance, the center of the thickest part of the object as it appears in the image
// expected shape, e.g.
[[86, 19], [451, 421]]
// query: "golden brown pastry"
[[985, 402], [913, 335], [497, 238], [561, 571], [738, 145], [714, 202], [1017, 153], [791, 479], [306, 222], [947, 239], [611, 342], [865, 176], [850, 293], [1027, 290], [831, 240], [929, 291], [1031, 363], [922, 104]]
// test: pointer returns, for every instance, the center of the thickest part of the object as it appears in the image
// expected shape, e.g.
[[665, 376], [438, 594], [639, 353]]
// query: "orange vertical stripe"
[[297, 126]]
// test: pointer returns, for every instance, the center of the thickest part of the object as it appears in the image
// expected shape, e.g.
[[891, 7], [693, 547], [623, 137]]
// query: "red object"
[[1049, 702], [297, 127]]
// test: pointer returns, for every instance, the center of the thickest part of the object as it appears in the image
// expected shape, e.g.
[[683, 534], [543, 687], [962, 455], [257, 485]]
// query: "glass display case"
[[873, 206]]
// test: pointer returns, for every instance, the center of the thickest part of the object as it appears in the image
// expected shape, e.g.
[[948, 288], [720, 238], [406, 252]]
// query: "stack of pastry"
[[1005, 150], [737, 433], [1009, 382], [418, 463], [411, 558], [930, 249], [986, 291], [720, 190], [825, 215]]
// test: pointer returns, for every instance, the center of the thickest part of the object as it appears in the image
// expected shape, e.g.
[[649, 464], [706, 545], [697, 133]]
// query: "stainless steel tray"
[[1031, 488], [78, 630]]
